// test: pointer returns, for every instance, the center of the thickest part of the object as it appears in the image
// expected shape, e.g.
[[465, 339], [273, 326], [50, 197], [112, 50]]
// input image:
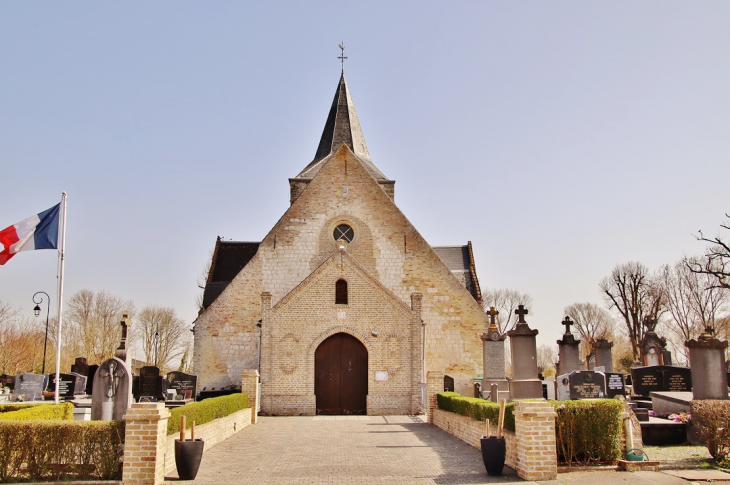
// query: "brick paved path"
[[364, 450]]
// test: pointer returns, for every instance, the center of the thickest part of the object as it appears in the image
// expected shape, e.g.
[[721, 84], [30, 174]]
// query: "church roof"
[[460, 261], [229, 258], [342, 126]]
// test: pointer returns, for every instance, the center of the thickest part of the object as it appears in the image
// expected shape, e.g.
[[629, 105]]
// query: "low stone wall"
[[470, 431], [212, 433]]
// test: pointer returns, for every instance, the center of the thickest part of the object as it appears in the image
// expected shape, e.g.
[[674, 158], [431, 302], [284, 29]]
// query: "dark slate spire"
[[342, 126]]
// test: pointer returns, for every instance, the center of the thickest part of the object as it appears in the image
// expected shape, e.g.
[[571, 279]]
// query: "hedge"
[[60, 450], [711, 418], [588, 432], [205, 411], [476, 408], [44, 412], [6, 408]]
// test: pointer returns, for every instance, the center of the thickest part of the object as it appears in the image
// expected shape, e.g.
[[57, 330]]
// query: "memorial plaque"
[[66, 386], [661, 378], [90, 380], [80, 366], [9, 381], [30, 386], [587, 385], [79, 384], [615, 384], [448, 384], [183, 384]]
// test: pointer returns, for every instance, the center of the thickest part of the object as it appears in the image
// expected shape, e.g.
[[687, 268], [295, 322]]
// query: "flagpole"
[[62, 247]]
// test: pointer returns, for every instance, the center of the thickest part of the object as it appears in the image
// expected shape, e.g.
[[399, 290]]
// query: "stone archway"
[[341, 375]]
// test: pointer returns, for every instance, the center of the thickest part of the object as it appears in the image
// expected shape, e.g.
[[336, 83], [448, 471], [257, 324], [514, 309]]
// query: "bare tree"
[[506, 302], [716, 261], [635, 294], [592, 323], [93, 324], [203, 280], [164, 336], [21, 342], [547, 355]]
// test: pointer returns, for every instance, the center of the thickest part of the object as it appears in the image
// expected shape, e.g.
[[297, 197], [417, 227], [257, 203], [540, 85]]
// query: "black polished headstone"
[[448, 384], [90, 379], [615, 384], [80, 366], [30, 386], [151, 384], [661, 378], [586, 384], [183, 384], [9, 381], [66, 385]]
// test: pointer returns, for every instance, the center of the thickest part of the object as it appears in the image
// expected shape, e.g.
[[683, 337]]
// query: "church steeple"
[[342, 126]]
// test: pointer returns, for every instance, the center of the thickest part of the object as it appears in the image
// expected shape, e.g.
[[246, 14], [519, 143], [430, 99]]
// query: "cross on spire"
[[492, 315], [342, 56], [521, 312], [567, 322]]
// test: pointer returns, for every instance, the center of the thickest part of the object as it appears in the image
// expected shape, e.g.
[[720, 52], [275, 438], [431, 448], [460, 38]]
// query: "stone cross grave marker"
[[80, 366], [112, 392]]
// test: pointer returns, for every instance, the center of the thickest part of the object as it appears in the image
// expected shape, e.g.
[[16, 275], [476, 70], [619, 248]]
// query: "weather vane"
[[342, 56]]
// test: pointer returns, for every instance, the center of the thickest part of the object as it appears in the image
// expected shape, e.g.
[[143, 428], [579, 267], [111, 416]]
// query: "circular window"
[[345, 232]]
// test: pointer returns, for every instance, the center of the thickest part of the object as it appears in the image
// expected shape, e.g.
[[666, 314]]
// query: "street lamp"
[[157, 340], [36, 312]]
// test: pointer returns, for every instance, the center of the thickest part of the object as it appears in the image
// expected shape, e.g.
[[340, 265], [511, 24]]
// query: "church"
[[343, 306]]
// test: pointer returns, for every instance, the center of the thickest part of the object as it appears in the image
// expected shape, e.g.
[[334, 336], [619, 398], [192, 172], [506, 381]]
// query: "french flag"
[[37, 232]]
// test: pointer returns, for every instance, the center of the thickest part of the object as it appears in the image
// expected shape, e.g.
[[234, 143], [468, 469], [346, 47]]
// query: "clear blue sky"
[[561, 138]]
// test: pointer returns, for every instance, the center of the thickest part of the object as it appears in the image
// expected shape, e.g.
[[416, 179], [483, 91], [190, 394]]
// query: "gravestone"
[[652, 346], [660, 378], [79, 384], [80, 366], [448, 384], [604, 355], [525, 384], [707, 355], [493, 359], [65, 386], [30, 386], [151, 385], [122, 351], [586, 384], [568, 351], [90, 379], [112, 392], [562, 387], [183, 384], [615, 384], [7, 381]]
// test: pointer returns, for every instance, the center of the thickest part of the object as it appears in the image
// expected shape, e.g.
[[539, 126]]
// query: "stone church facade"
[[343, 306]]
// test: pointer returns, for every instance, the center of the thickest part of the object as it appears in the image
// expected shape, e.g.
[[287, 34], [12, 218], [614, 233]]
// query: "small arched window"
[[341, 292]]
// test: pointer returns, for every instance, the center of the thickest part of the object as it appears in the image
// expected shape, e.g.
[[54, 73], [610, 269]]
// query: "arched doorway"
[[341, 375]]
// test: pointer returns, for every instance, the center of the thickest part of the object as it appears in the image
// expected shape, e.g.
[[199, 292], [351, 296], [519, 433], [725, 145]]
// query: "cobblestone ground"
[[364, 450]]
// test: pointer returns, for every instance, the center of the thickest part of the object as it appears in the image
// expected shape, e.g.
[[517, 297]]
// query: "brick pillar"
[[535, 441], [434, 385], [250, 385], [145, 443]]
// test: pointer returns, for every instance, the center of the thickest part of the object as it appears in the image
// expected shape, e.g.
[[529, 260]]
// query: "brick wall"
[[144, 450], [212, 433]]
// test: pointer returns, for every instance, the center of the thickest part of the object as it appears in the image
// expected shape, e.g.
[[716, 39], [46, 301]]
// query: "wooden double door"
[[341, 375]]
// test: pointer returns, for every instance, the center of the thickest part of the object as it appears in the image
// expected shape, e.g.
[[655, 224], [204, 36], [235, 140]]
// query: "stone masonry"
[[144, 450]]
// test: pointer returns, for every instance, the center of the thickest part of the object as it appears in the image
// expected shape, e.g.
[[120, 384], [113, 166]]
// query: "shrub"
[[588, 432], [205, 411], [6, 408], [58, 450], [476, 408], [44, 412], [711, 418]]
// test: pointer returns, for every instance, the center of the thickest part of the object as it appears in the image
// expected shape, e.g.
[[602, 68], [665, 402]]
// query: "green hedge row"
[[43, 412], [205, 411], [476, 408], [60, 450], [588, 432]]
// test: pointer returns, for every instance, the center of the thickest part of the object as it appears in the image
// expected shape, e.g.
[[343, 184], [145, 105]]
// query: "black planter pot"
[[493, 451], [187, 458]]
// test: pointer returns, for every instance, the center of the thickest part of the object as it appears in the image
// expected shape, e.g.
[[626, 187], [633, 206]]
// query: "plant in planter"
[[188, 453], [494, 448]]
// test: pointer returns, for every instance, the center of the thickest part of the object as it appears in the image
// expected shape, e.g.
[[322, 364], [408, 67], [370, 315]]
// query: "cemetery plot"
[[30, 386], [661, 378], [586, 385], [183, 384]]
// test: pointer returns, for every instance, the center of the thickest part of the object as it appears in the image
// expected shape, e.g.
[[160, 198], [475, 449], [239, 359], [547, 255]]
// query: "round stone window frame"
[[339, 234]]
